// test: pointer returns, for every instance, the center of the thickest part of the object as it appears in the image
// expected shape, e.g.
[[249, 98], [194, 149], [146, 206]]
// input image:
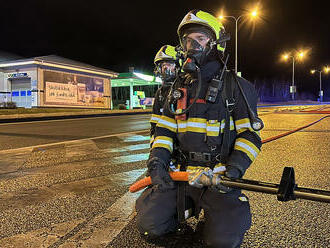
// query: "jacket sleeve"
[[248, 143], [165, 133], [155, 116]]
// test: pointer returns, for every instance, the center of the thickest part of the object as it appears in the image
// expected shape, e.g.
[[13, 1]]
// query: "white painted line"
[[69, 141], [105, 227], [129, 148], [112, 222], [100, 230], [68, 119], [131, 158]]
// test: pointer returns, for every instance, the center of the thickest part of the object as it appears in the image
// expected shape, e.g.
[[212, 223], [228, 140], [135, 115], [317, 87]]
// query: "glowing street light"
[[326, 69], [252, 14], [298, 55]]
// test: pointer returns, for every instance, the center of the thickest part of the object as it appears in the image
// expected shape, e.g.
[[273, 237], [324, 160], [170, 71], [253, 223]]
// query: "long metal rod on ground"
[[270, 188], [287, 189]]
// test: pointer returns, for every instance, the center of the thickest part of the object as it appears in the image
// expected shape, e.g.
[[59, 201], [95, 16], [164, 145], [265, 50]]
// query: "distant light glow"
[[147, 77], [313, 71], [143, 76]]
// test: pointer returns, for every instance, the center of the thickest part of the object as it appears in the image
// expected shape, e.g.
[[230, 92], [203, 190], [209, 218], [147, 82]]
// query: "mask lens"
[[167, 70], [191, 44]]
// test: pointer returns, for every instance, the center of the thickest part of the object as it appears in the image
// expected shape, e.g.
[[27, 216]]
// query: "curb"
[[70, 116]]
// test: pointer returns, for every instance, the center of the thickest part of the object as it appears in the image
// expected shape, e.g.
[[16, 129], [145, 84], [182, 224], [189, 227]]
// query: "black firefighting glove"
[[160, 177], [231, 172]]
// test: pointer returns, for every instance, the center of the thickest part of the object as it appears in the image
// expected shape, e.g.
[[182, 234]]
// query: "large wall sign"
[[73, 90]]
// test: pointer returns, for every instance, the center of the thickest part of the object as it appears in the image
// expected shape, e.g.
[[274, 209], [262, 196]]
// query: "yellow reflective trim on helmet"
[[211, 21], [170, 50], [166, 52], [205, 19]]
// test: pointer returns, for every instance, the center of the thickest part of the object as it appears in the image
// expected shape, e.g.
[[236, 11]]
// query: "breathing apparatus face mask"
[[194, 54], [166, 71]]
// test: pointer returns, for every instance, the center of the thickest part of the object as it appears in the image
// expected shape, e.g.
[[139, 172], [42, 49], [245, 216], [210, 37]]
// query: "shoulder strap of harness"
[[227, 95]]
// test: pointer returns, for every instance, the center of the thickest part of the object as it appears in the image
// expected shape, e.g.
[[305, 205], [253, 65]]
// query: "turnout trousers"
[[227, 215]]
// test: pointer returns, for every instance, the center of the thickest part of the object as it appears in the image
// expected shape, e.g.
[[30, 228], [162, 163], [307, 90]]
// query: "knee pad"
[[150, 229]]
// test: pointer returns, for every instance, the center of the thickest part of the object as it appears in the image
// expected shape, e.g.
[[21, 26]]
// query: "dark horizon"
[[117, 35]]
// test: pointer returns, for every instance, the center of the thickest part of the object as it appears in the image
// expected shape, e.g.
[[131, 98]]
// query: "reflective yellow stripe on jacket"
[[201, 125], [197, 125], [231, 123], [243, 125], [167, 123], [247, 147], [164, 142], [155, 118], [152, 138]]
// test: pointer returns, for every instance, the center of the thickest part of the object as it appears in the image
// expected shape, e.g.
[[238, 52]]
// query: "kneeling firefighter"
[[212, 114], [166, 64]]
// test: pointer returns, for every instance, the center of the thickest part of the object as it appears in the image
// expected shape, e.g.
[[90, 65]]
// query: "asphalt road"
[[21, 134], [74, 194]]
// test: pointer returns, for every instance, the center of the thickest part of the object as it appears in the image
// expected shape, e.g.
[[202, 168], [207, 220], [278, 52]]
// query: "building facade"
[[53, 81]]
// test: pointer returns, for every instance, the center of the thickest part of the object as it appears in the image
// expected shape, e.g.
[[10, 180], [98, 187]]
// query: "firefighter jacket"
[[157, 108], [200, 136]]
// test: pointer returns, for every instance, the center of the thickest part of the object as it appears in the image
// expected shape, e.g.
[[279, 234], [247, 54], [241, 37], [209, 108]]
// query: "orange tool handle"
[[141, 184]]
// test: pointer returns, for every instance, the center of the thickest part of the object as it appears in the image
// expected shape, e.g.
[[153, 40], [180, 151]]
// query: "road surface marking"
[[68, 119], [68, 141], [131, 158], [128, 148]]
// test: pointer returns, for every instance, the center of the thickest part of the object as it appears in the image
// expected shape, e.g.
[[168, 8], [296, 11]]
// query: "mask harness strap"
[[170, 101]]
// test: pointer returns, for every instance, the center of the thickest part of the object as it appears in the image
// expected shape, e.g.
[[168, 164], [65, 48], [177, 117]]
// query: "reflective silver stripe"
[[231, 123], [247, 147], [167, 123], [196, 124], [164, 142], [182, 125], [212, 129], [154, 118], [243, 125]]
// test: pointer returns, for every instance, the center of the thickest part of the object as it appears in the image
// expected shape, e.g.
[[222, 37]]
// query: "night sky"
[[119, 34]]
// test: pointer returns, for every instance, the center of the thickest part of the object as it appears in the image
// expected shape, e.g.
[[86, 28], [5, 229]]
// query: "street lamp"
[[326, 70], [253, 14], [299, 55]]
